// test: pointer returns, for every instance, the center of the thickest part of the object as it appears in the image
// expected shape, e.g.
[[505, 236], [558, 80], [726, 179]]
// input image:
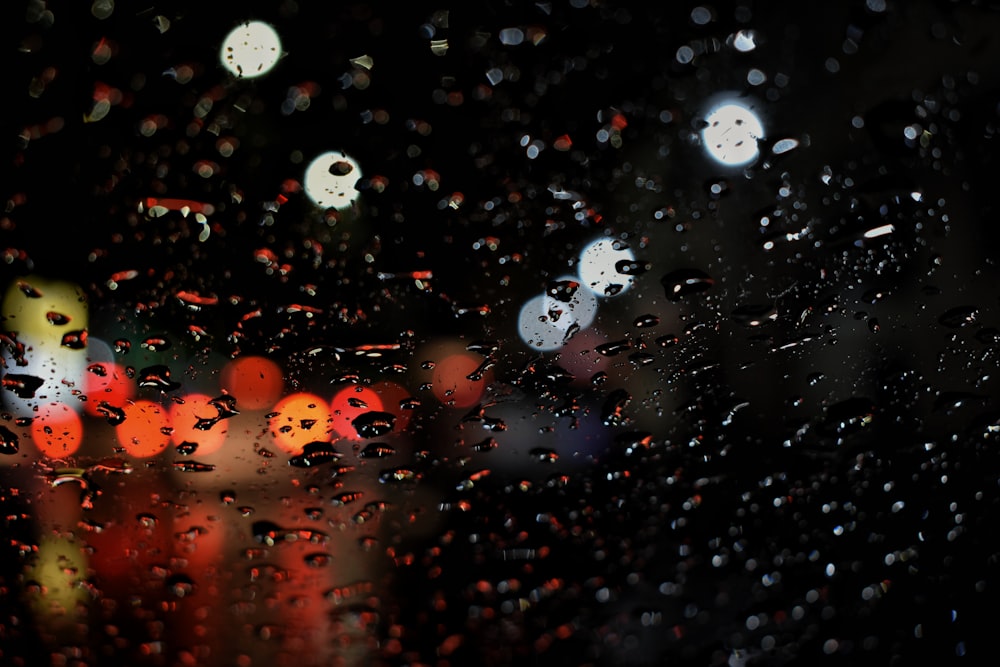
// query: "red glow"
[[391, 395], [451, 385], [185, 418], [177, 204], [350, 402], [106, 381], [145, 431], [256, 382], [57, 430], [300, 419]]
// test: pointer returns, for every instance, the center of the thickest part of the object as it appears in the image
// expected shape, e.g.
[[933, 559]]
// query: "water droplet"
[[373, 424], [377, 450], [29, 290], [57, 319], [23, 386], [485, 445], [988, 335], [9, 442], [544, 454], [346, 498], [960, 316], [613, 411], [684, 282], [849, 416], [180, 585], [267, 532], [314, 454], [667, 340], [815, 378], [158, 377], [754, 315], [613, 348], [186, 448], [645, 321], [633, 441], [317, 560], [75, 340], [398, 475], [193, 466], [632, 267], [948, 401], [155, 343]]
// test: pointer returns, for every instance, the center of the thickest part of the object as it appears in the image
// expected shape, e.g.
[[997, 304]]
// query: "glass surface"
[[570, 333]]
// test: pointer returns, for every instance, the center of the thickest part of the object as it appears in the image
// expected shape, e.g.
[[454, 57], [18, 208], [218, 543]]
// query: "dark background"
[[862, 393]]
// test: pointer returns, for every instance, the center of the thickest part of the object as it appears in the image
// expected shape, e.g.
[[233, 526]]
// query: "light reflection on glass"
[[331, 180], [731, 134], [251, 50]]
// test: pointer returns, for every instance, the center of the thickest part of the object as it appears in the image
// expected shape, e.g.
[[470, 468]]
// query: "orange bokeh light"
[[256, 382], [350, 402], [57, 430], [184, 417], [451, 385], [106, 381], [146, 429], [300, 418]]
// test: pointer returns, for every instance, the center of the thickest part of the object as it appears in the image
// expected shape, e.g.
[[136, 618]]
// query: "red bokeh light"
[[146, 429], [185, 417], [450, 382], [256, 382], [106, 381], [350, 402], [57, 430]]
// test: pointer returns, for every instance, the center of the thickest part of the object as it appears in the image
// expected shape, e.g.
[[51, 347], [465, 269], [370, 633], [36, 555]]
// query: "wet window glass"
[[450, 333]]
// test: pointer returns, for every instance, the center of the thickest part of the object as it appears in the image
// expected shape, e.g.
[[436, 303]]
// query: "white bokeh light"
[[251, 50], [731, 134], [546, 323], [598, 268], [331, 180]]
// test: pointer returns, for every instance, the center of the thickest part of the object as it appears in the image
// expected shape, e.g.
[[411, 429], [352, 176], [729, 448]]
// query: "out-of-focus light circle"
[[251, 50], [299, 419], [598, 268], [731, 134], [255, 382], [187, 416], [50, 320], [146, 429], [104, 380], [451, 384], [57, 430], [348, 403], [331, 180], [545, 323]]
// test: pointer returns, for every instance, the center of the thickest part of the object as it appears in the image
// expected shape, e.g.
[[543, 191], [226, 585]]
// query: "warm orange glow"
[[106, 381], [451, 385], [350, 402], [186, 416], [301, 418], [146, 429], [256, 382], [57, 430]]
